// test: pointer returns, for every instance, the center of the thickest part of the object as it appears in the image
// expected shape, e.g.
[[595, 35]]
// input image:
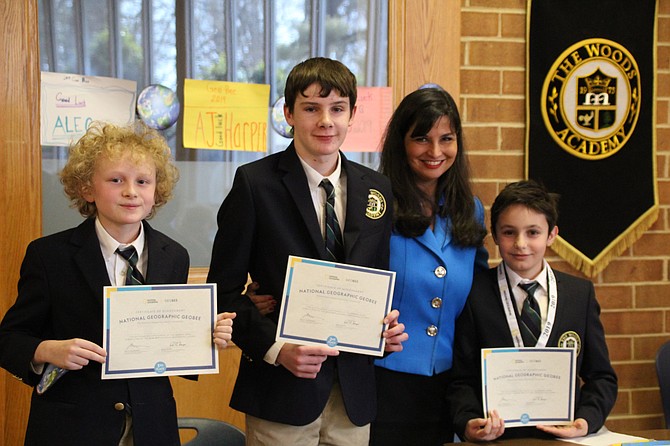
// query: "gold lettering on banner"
[[591, 99]]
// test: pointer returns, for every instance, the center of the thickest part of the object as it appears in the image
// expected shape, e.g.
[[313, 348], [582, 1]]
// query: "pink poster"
[[374, 109]]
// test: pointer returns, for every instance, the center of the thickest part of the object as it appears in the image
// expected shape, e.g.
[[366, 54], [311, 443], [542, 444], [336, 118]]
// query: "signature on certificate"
[[308, 318], [135, 348]]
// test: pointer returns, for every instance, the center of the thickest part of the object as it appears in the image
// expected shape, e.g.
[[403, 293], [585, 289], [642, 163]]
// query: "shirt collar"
[[109, 244], [515, 279], [314, 177]]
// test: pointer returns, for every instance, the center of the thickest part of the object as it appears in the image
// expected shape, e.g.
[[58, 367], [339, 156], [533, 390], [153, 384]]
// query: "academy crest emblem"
[[590, 122], [591, 98], [596, 101]]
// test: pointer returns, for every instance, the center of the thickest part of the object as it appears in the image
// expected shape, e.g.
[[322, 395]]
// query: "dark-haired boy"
[[301, 395], [523, 225]]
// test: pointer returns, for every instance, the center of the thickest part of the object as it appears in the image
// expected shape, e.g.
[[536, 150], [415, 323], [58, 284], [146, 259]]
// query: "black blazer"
[[60, 297], [267, 216], [482, 324]]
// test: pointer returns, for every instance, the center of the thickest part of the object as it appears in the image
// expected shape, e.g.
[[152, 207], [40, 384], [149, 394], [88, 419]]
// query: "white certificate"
[[159, 330], [333, 304], [529, 386]]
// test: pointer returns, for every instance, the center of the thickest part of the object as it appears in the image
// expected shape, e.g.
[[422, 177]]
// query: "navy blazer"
[[482, 324], [267, 216], [60, 294]]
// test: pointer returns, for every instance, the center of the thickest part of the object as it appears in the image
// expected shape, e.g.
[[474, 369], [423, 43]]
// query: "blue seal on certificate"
[[160, 367], [524, 418], [331, 341]]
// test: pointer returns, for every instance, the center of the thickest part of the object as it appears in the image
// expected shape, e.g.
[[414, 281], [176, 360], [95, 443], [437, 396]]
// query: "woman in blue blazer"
[[436, 246]]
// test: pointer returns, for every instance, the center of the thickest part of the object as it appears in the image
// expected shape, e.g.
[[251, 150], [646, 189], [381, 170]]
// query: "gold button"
[[431, 330], [440, 271], [436, 302], [119, 406]]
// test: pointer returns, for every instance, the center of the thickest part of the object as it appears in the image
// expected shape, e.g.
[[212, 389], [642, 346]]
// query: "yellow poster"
[[225, 115]]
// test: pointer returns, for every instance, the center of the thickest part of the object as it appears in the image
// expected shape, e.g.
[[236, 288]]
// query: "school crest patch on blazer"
[[376, 205], [570, 339]]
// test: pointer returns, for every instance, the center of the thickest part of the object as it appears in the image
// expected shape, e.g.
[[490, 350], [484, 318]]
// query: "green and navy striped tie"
[[334, 242], [133, 275], [531, 321]]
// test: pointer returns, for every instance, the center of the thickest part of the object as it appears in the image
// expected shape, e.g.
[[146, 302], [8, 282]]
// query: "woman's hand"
[[264, 303]]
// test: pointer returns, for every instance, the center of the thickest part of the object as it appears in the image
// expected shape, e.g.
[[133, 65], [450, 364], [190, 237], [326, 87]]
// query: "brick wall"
[[633, 290]]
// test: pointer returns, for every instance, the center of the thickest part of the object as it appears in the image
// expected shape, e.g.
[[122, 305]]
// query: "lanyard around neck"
[[511, 312]]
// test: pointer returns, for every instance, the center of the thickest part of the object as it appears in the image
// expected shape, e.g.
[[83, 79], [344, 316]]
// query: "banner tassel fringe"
[[591, 268]]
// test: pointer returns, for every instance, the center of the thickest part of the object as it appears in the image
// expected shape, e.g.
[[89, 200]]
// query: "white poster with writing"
[[71, 102]]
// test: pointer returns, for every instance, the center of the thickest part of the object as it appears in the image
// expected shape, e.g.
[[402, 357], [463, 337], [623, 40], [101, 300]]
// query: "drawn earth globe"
[[158, 106]]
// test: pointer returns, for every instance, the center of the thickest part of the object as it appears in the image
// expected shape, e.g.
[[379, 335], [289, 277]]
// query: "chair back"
[[663, 373], [212, 432]]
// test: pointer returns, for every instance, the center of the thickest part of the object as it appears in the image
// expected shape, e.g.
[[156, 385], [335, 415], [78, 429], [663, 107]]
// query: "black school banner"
[[590, 122]]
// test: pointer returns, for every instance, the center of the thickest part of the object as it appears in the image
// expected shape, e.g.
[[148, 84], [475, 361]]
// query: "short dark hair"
[[528, 193], [328, 73]]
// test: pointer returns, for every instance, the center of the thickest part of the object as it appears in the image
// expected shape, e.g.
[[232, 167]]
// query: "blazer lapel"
[[498, 308], [432, 242], [296, 183], [89, 258], [156, 273], [357, 195]]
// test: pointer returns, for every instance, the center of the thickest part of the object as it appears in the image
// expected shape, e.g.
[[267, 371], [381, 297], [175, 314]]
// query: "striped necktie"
[[531, 321], [133, 275], [334, 242]]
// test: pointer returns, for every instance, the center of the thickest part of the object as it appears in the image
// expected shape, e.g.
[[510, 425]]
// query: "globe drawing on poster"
[[158, 106]]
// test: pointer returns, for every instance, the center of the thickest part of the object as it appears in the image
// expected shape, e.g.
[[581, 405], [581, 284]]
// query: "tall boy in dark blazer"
[[523, 224], [116, 177], [275, 209]]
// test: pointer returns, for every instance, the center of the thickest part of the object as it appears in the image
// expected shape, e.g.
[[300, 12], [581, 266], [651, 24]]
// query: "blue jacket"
[[433, 280]]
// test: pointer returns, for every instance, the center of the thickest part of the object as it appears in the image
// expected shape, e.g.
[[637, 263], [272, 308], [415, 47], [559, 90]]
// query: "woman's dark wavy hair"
[[417, 113]]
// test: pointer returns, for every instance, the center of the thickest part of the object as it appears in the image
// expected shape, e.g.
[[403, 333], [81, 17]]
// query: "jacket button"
[[119, 406], [436, 302], [440, 271], [431, 330]]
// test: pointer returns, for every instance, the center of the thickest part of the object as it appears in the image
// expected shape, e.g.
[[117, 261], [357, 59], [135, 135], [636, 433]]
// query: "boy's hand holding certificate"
[[338, 305]]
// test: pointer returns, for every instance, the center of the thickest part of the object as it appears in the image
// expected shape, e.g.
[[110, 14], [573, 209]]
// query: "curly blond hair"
[[109, 141]]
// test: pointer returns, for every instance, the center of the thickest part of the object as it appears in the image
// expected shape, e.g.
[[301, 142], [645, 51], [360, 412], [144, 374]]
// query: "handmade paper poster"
[[374, 107], [226, 115], [71, 102]]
